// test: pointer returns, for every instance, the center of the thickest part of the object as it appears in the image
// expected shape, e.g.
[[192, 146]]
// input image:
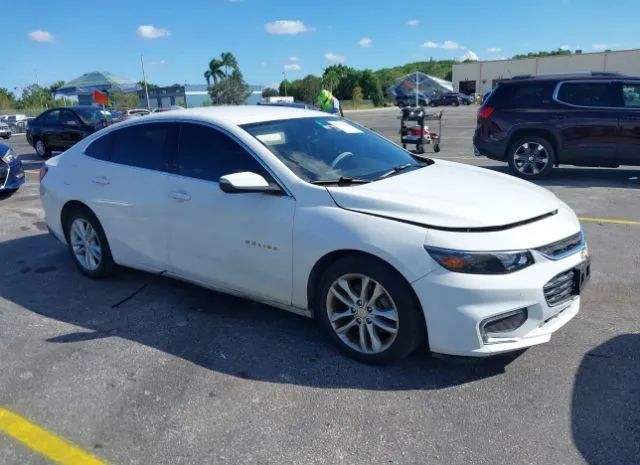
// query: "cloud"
[[565, 47], [335, 58], [607, 46], [158, 62], [494, 50], [40, 36], [413, 22], [286, 26], [470, 55], [446, 45], [365, 42], [294, 58], [292, 67], [147, 31]]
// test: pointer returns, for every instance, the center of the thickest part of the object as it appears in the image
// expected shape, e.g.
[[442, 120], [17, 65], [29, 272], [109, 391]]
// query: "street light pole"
[[284, 82], [144, 79]]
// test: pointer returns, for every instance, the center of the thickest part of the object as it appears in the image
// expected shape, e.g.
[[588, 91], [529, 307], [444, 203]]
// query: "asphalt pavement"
[[182, 375]]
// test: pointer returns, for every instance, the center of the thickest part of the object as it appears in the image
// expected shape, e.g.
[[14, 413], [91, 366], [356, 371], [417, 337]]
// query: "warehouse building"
[[480, 77]]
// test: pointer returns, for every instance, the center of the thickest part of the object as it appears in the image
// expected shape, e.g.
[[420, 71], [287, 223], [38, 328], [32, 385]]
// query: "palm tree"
[[214, 72], [207, 76], [227, 60]]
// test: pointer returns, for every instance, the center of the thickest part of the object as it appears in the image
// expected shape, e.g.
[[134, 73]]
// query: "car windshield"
[[330, 149], [89, 115]]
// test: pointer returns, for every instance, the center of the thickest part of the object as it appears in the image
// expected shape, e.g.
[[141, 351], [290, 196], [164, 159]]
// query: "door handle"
[[103, 181], [180, 196]]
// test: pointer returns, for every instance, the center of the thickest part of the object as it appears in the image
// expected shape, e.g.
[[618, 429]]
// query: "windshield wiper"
[[342, 181], [399, 168]]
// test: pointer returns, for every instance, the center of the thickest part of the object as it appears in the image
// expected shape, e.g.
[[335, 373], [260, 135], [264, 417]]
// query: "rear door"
[[71, 129], [49, 125], [587, 122], [125, 184], [629, 149]]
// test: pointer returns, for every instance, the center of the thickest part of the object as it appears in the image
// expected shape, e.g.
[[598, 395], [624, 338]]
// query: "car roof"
[[237, 115], [569, 76]]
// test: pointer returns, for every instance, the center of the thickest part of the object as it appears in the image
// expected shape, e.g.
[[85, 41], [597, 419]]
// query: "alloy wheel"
[[85, 244], [531, 158], [40, 148], [362, 313]]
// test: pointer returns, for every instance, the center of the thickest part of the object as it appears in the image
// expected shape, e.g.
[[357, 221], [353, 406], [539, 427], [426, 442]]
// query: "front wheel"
[[531, 157], [369, 310], [42, 149]]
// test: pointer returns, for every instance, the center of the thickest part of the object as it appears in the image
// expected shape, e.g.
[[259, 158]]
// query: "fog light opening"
[[498, 325]]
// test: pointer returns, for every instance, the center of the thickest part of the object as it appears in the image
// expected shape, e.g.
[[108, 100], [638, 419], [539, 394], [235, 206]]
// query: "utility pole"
[[144, 79], [284, 82], [417, 90]]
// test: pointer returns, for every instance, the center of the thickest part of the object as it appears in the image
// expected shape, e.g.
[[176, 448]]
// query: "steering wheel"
[[340, 158]]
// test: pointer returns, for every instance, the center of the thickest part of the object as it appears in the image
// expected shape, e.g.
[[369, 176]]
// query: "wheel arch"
[[544, 133], [68, 208]]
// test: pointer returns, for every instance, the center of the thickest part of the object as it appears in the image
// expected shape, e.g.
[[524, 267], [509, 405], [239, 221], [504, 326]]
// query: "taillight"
[[485, 112], [43, 171]]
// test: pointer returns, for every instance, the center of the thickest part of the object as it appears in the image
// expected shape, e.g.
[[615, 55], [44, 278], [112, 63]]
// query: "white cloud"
[[292, 67], [148, 31], [41, 36], [494, 50], [335, 58], [158, 62], [607, 46], [365, 42], [469, 56], [413, 22], [294, 58], [446, 45], [286, 26]]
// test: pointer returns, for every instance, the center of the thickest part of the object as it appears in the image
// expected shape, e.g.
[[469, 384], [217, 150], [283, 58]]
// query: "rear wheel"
[[531, 157], [42, 149], [88, 244], [368, 310]]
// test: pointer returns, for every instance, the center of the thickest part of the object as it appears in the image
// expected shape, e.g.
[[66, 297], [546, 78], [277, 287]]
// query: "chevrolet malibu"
[[320, 216]]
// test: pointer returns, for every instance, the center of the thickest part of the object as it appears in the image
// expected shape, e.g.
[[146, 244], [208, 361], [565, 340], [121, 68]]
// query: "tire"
[[433, 104], [420, 148], [6, 137], [436, 148], [42, 148], [404, 146], [395, 339], [102, 264], [531, 157]]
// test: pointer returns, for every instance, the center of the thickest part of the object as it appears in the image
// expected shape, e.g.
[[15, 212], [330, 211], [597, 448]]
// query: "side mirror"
[[247, 181]]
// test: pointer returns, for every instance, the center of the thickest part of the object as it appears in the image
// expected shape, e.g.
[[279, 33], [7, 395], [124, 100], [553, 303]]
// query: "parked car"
[[137, 112], [5, 131], [450, 98], [410, 100], [17, 123], [323, 217], [537, 122], [11, 171], [61, 128]]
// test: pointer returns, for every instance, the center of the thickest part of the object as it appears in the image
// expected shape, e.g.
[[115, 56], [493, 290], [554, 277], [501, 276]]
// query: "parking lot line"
[[608, 220], [43, 442]]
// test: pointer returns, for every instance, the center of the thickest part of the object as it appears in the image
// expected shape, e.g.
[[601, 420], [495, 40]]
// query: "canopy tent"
[[423, 84], [97, 80]]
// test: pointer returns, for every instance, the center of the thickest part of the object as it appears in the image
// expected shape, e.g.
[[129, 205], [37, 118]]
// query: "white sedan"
[[320, 216]]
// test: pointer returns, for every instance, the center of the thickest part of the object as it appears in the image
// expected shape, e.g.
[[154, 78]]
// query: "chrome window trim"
[[555, 98], [216, 127]]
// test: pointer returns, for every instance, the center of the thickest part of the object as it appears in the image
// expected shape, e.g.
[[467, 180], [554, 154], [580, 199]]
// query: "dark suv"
[[537, 122]]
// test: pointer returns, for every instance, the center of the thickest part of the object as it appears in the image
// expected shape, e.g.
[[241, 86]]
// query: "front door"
[[587, 123], [71, 130], [629, 152], [241, 242]]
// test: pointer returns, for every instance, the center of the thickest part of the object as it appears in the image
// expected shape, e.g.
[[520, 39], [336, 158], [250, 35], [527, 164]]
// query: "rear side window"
[[524, 95], [51, 117], [100, 148], [587, 94], [206, 153], [142, 145], [631, 95]]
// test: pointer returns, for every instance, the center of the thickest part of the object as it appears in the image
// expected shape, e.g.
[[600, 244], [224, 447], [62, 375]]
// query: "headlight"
[[9, 157], [462, 261]]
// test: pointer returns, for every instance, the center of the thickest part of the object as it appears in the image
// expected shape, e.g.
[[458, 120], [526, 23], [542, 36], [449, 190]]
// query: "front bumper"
[[5, 133], [455, 306], [11, 176]]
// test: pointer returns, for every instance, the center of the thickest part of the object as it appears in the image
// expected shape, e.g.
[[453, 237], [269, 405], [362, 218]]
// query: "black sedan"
[[60, 128]]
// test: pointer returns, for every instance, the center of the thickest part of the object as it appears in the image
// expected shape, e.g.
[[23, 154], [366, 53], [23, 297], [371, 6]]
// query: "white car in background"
[[137, 112], [320, 216]]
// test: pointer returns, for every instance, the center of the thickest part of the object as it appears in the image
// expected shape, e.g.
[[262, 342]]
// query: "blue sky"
[[178, 38]]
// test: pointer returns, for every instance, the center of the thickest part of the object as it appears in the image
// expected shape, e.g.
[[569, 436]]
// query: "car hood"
[[450, 195]]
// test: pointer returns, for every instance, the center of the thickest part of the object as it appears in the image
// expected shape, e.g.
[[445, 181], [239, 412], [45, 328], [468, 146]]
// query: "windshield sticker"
[[345, 127], [274, 138]]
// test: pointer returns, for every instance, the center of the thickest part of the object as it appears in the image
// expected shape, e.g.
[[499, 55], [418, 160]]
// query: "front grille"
[[563, 247], [561, 288]]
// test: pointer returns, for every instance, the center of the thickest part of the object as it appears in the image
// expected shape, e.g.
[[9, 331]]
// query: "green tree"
[[543, 53], [7, 99], [214, 73], [371, 87], [35, 96], [356, 96], [232, 90], [150, 85], [284, 88], [309, 88], [119, 99], [228, 60], [330, 80], [53, 88], [269, 92]]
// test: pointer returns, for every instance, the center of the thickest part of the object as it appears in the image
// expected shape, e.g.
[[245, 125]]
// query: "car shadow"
[[585, 177], [213, 330], [605, 413]]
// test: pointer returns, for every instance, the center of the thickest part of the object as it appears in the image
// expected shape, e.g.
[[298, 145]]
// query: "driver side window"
[[206, 153]]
